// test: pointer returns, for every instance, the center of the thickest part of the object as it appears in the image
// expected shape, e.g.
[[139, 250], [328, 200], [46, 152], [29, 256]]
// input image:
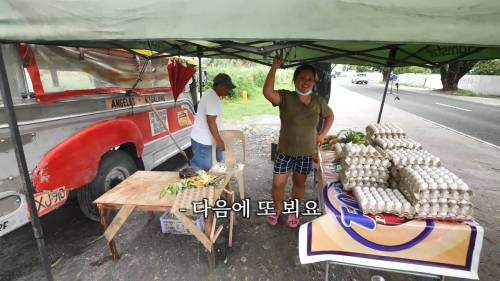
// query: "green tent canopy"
[[426, 33]]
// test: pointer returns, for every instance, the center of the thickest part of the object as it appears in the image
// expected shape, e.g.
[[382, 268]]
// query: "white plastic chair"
[[231, 165]]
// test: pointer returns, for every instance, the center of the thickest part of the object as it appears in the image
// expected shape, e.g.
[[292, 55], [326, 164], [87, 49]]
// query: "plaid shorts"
[[284, 163]]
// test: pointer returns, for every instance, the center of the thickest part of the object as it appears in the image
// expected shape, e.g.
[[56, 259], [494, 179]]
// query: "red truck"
[[87, 123]]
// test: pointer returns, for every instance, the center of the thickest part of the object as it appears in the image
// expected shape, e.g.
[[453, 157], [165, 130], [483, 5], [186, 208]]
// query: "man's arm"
[[212, 126]]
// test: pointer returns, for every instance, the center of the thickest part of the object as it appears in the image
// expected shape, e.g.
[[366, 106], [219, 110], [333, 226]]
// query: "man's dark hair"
[[303, 67]]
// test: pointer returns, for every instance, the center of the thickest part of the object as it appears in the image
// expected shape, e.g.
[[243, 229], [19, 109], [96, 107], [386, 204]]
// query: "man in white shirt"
[[208, 122]]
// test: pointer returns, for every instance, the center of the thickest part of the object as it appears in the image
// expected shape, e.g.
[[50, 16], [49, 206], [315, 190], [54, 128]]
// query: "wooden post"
[[104, 212], [211, 253]]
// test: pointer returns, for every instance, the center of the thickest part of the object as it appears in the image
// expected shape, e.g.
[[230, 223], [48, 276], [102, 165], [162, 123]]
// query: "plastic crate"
[[170, 224]]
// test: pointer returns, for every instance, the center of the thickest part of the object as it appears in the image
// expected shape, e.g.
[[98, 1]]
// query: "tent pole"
[[390, 62], [21, 163], [200, 73]]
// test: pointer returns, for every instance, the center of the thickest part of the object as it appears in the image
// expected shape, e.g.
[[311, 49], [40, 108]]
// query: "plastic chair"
[[231, 165]]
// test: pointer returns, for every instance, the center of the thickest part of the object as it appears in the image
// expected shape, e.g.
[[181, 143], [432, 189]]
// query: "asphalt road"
[[478, 120]]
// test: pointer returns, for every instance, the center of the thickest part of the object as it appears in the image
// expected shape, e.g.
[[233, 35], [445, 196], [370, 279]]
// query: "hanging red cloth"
[[179, 74]]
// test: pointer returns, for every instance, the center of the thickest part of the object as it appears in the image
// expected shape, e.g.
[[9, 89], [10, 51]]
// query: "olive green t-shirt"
[[298, 123]]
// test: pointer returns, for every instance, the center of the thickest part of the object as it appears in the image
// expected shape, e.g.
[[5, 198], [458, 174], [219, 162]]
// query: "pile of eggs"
[[362, 165], [405, 157], [444, 209], [436, 192], [433, 182], [406, 143], [387, 130], [383, 200], [359, 150]]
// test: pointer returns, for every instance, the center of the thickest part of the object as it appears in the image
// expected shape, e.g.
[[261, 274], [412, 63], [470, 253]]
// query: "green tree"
[[487, 67], [362, 68], [411, 69]]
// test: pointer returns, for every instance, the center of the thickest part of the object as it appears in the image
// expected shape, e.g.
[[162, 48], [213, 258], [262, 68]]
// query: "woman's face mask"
[[308, 93]]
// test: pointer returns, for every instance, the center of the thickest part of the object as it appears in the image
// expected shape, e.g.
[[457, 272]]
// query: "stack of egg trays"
[[368, 167], [386, 130], [438, 194], [405, 143], [401, 158], [383, 200]]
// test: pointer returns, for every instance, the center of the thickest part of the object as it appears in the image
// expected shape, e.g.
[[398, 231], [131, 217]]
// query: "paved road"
[[478, 120]]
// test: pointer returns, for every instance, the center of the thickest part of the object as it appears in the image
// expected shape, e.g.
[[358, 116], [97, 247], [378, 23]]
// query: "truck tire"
[[115, 166]]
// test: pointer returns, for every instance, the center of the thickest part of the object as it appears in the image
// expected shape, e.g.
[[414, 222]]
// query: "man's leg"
[[202, 155]]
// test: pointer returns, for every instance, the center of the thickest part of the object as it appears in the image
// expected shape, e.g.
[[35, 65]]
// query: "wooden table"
[[141, 192]]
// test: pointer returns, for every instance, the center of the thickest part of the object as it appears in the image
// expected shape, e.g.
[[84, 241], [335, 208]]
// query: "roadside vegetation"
[[249, 78]]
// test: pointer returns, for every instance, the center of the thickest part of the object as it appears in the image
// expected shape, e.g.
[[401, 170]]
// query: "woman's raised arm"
[[268, 89]]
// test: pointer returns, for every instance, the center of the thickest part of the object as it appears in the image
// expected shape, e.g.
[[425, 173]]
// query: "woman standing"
[[300, 112]]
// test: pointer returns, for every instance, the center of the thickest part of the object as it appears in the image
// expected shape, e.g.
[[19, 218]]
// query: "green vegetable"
[[351, 136]]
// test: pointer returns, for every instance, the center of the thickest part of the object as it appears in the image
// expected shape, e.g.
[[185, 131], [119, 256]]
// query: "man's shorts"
[[285, 163]]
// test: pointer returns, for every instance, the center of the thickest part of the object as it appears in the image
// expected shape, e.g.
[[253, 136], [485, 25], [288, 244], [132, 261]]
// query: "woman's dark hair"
[[303, 67]]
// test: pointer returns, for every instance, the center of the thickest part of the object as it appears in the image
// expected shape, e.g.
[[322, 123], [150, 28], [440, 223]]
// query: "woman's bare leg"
[[279, 183], [299, 183]]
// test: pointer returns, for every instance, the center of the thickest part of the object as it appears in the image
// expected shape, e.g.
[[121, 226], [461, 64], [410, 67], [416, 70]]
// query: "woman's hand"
[[277, 62], [321, 138]]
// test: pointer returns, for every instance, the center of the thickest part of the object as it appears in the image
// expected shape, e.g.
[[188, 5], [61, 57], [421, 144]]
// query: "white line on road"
[[442, 104]]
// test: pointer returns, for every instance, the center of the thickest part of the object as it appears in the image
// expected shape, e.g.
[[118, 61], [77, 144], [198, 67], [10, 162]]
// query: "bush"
[[411, 69], [246, 77]]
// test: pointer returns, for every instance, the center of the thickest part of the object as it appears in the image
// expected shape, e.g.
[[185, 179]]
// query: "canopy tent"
[[426, 33]]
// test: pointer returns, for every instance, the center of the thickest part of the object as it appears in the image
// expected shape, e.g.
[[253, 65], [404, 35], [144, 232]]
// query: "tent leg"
[[200, 75], [21, 163], [383, 97], [390, 63]]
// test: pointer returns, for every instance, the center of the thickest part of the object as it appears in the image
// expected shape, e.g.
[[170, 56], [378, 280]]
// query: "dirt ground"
[[259, 252]]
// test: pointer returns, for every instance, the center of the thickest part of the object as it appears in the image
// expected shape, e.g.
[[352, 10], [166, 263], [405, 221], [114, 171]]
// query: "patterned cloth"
[[284, 163]]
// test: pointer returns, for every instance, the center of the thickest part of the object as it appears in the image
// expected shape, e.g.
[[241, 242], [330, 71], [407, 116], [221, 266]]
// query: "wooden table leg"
[[211, 253], [104, 212]]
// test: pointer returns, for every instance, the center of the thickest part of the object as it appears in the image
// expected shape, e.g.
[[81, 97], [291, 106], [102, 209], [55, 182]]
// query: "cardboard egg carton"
[[359, 151], [359, 171], [386, 131], [383, 200], [407, 157], [431, 187], [391, 143], [349, 183], [444, 209]]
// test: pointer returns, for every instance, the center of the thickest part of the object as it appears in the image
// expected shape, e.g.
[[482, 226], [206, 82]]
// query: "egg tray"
[[383, 200], [422, 178], [444, 209], [406, 157], [349, 184], [354, 172], [428, 195], [385, 130], [359, 150], [405, 143], [369, 161]]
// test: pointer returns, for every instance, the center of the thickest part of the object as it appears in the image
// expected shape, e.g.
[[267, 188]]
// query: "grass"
[[235, 109], [462, 92], [249, 78]]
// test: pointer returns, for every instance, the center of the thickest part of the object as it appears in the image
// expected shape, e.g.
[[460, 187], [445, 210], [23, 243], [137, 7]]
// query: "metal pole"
[[21, 163], [200, 74], [390, 62]]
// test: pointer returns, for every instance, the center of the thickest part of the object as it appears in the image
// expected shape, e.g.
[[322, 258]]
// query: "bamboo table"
[[141, 192]]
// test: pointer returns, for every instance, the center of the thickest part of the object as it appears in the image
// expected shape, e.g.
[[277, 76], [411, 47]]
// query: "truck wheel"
[[115, 166]]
